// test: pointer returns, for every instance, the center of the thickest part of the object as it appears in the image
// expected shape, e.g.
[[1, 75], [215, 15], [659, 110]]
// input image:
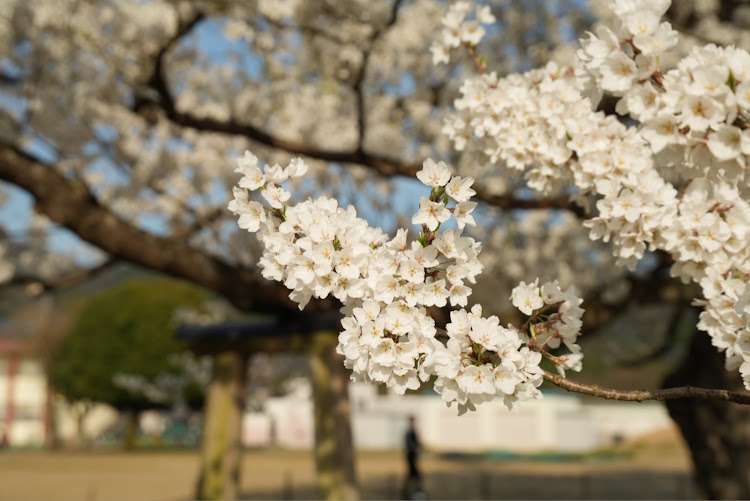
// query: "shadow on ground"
[[486, 484]]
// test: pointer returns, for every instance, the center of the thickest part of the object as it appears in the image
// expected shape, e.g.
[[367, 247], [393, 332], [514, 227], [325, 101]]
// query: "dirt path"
[[652, 473]]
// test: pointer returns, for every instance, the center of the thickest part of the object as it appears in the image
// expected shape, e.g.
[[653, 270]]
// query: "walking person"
[[413, 485]]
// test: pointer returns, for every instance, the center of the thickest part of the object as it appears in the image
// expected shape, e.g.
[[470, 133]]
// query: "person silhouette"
[[412, 445]]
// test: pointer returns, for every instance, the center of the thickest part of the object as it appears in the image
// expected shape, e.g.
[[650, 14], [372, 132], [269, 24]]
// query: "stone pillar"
[[222, 428], [334, 449]]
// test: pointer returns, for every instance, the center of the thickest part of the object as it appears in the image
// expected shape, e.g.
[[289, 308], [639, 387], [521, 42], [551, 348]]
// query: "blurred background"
[[142, 355]]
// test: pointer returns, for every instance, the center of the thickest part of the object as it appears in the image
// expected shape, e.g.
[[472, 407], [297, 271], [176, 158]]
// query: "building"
[[30, 415]]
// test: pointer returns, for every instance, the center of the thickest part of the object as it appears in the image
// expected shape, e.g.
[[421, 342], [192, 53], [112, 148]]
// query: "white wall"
[[29, 398], [558, 422]]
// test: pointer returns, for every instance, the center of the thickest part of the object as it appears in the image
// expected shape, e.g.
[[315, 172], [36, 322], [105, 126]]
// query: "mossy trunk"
[[718, 433], [221, 446], [334, 449]]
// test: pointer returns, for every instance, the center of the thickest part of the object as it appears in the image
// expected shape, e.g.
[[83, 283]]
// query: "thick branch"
[[380, 164], [70, 204], [642, 395]]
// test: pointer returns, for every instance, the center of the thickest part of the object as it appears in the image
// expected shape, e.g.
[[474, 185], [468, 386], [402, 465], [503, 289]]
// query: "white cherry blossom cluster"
[[315, 247], [625, 58], [458, 30], [695, 116], [386, 285], [726, 318], [387, 343], [482, 360], [507, 117], [555, 319], [538, 123], [699, 121], [710, 234], [740, 349], [692, 125]]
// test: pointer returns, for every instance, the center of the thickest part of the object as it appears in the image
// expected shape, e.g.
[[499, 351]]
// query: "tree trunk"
[[334, 450], [718, 433], [80, 410], [51, 432], [222, 430], [132, 427]]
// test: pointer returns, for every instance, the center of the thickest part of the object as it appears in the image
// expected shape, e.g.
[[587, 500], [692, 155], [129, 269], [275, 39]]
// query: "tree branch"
[[6, 79], [69, 203], [383, 165], [360, 79], [680, 392]]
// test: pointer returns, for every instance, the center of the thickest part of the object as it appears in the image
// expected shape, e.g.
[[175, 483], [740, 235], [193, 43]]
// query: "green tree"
[[128, 329]]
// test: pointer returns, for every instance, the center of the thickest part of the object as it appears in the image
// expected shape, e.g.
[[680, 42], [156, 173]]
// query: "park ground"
[[655, 467]]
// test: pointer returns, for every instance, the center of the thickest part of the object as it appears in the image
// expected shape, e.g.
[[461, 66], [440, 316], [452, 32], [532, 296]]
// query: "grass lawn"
[[656, 467]]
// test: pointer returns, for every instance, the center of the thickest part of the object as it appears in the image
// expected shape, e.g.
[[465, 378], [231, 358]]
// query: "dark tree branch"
[[158, 81], [680, 392], [6, 79], [380, 164], [69, 203], [359, 92]]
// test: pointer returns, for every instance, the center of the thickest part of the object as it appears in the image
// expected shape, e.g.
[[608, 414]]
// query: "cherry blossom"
[[674, 180]]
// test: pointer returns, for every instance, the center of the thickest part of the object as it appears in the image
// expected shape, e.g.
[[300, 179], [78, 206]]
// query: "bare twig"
[[680, 392]]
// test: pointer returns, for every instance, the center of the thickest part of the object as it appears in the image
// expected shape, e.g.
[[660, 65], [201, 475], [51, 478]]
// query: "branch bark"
[[358, 85], [680, 392], [69, 203]]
